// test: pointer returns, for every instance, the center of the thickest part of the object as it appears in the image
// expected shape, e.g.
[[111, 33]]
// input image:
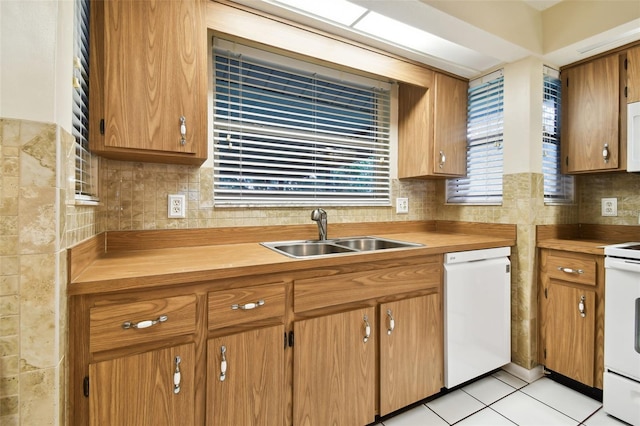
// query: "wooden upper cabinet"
[[594, 116], [432, 124], [148, 91], [633, 74], [450, 126]]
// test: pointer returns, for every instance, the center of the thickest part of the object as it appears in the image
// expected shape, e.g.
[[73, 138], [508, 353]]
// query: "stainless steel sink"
[[306, 249], [316, 248], [372, 243]]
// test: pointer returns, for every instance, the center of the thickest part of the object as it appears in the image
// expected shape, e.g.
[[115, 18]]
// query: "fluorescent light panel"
[[388, 30], [397, 32], [340, 11]]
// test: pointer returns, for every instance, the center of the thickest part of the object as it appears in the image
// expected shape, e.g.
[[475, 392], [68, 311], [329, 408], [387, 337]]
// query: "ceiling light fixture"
[[340, 11]]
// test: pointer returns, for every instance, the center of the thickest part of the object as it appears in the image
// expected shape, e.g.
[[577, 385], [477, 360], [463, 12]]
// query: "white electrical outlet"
[[176, 206], [609, 207], [402, 205]]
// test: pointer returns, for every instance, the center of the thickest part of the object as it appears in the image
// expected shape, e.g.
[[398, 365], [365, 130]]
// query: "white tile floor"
[[503, 399]]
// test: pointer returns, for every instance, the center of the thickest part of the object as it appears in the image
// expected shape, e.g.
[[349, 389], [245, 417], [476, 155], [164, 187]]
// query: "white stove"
[[621, 393], [623, 250]]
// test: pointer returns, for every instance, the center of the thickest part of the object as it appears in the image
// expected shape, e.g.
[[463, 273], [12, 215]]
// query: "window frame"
[[564, 185], [485, 113], [86, 164], [362, 158]]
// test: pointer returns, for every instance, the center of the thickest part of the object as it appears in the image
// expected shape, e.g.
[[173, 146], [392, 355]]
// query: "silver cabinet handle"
[[367, 329], [183, 130], [605, 153], [392, 322], [581, 308], [144, 324], [223, 363], [248, 306], [177, 376], [443, 158], [570, 270]]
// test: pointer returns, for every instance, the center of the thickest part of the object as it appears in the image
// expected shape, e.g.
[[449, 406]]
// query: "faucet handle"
[[318, 214]]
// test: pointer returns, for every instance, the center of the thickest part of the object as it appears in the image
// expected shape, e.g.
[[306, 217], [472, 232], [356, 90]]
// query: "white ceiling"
[[541, 4], [482, 35]]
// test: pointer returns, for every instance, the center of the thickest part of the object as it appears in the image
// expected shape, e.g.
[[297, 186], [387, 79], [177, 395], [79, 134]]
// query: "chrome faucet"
[[320, 216]]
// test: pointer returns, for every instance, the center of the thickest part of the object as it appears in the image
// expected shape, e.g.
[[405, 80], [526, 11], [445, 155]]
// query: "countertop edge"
[[262, 262]]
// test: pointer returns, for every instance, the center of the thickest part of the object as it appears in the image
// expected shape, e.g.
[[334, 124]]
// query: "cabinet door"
[[154, 74], [633, 74], [590, 110], [334, 369], [569, 345], [139, 389], [411, 351], [450, 127], [415, 130], [251, 390]]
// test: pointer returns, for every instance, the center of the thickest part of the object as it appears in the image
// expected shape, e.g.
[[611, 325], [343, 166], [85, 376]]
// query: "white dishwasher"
[[477, 313]]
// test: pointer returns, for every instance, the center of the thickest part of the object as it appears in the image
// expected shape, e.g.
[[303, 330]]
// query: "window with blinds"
[[483, 183], [558, 188], [290, 133], [86, 184]]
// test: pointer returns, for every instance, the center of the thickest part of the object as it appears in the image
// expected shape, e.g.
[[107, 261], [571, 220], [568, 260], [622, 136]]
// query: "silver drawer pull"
[[144, 324], [581, 306], [248, 306], [570, 270], [367, 329], [177, 377], [223, 363], [392, 322], [183, 130]]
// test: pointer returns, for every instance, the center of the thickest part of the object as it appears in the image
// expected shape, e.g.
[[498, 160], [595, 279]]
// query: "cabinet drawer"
[[576, 269], [242, 305], [321, 292], [120, 325]]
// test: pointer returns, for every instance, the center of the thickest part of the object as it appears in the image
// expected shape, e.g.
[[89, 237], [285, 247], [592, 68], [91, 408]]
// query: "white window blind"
[[483, 183], [558, 188], [86, 185], [285, 135]]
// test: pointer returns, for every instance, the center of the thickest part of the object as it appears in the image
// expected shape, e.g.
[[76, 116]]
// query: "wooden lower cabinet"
[[411, 351], [260, 350], [570, 337], [140, 389], [334, 369], [245, 378], [571, 296]]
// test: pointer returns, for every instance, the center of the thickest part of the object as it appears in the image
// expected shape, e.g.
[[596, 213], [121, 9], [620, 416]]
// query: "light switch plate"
[[176, 206], [609, 207]]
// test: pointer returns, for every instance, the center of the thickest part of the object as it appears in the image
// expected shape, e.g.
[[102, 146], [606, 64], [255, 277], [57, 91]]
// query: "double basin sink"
[[311, 248]]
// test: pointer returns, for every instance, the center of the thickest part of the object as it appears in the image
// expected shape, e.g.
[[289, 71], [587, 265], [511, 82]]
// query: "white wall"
[[36, 59]]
